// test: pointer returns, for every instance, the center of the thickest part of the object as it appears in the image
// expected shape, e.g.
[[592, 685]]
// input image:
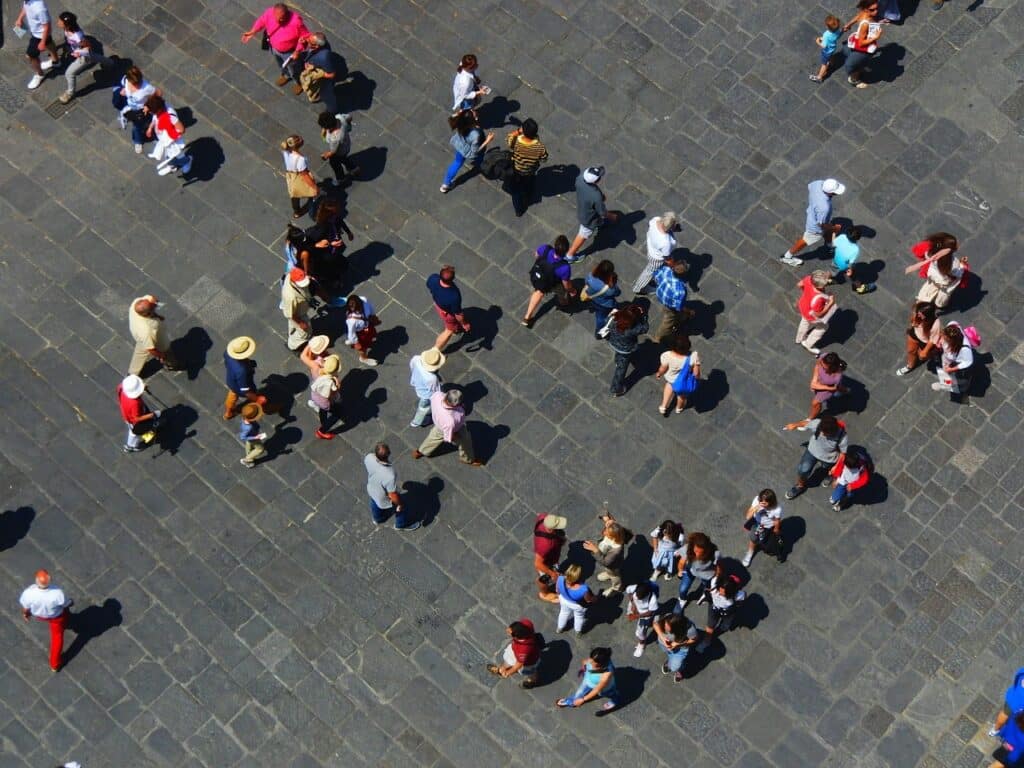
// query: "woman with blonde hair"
[[610, 552], [301, 184]]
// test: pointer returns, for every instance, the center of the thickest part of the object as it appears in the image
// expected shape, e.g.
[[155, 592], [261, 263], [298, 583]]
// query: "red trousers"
[[56, 637]]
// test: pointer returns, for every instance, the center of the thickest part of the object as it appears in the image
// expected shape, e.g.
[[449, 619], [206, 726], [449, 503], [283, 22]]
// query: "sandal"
[[680, 410], [662, 410], [563, 703]]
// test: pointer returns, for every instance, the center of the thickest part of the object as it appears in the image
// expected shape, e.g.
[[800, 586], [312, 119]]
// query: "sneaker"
[[837, 506], [166, 170], [47, 65], [282, 80], [792, 261], [993, 732], [814, 78], [678, 677], [578, 633], [795, 491], [122, 121], [940, 387], [866, 288], [130, 449], [702, 599], [409, 527], [667, 577], [368, 361], [138, 149], [603, 576], [638, 651], [560, 630], [664, 669], [349, 343], [813, 350], [903, 371], [65, 97], [681, 604], [35, 82], [444, 189], [610, 592], [747, 559], [826, 481], [246, 463], [528, 683], [186, 167]]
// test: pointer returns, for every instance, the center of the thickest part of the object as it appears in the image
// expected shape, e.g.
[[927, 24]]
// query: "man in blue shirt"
[[239, 370], [671, 292], [818, 225], [320, 56], [448, 304]]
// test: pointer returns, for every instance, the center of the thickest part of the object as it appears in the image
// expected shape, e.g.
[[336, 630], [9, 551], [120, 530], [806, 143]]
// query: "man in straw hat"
[[449, 427], [325, 392], [45, 602], [150, 335], [239, 376], [295, 305], [141, 421], [251, 435], [425, 381]]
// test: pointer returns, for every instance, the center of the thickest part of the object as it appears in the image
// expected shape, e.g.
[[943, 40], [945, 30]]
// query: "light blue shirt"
[[819, 207], [846, 252], [829, 39], [423, 381]]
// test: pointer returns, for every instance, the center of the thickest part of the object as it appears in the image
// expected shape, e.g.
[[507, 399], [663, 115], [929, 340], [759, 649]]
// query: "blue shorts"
[[826, 57]]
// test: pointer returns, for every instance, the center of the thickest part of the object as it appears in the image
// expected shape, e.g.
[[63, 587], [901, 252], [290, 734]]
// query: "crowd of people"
[[314, 283]]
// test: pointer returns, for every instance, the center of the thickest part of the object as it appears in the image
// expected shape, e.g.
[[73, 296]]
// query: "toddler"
[[666, 541], [827, 42], [844, 259]]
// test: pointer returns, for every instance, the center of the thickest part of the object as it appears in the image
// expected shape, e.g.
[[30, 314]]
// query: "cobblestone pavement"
[[258, 618]]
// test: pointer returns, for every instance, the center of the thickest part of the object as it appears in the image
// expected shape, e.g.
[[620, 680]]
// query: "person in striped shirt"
[[528, 152]]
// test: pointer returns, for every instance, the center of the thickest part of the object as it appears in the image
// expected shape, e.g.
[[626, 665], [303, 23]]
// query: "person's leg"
[[132, 441], [529, 189], [913, 347], [666, 398], [453, 169], [379, 515], [254, 450], [582, 690], [685, 581], [621, 364], [140, 356], [817, 330], [816, 408], [296, 205], [57, 639], [666, 325], [32, 55], [74, 69], [805, 468], [839, 494], [614, 579], [801, 331], [535, 299], [582, 235], [600, 317], [464, 442], [680, 403], [431, 442], [139, 130], [422, 415], [230, 405], [579, 618], [676, 659], [564, 615], [516, 186]]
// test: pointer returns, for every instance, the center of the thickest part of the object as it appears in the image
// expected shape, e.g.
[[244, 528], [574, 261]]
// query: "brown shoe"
[[228, 415], [417, 455], [296, 89], [283, 80]]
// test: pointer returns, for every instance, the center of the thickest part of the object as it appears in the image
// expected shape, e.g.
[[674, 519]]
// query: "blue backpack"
[[686, 382]]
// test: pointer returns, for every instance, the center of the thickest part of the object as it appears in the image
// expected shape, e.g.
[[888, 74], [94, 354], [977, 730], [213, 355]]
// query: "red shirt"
[[812, 301], [527, 652], [132, 408], [165, 122], [547, 544]]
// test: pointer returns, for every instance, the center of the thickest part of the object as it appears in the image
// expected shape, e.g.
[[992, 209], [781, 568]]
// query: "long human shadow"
[[358, 402], [486, 438], [494, 113], [630, 681], [207, 158], [279, 441], [191, 350], [355, 93], [362, 262], [90, 623], [885, 66], [371, 162], [555, 180], [423, 500], [174, 428], [484, 328], [612, 235], [282, 390], [704, 322], [840, 328], [637, 565], [712, 390], [855, 400], [389, 342], [555, 659], [14, 525]]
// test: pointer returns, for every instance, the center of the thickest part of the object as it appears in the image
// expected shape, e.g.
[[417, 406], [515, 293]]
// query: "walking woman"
[[301, 184], [81, 51], [942, 278], [826, 382], [624, 327], [601, 288], [763, 520], [923, 335], [678, 360], [955, 373], [863, 42], [314, 353], [128, 99], [325, 392], [468, 141], [466, 88], [697, 564], [361, 324], [598, 679], [610, 552]]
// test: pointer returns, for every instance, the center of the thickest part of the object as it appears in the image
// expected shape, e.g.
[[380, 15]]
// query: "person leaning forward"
[[150, 335], [239, 375]]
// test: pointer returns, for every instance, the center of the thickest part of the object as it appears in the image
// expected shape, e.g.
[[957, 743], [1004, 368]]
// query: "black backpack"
[[497, 164], [542, 273]]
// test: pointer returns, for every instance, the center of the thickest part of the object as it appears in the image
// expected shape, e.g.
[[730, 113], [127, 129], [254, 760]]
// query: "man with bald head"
[[45, 602], [147, 329]]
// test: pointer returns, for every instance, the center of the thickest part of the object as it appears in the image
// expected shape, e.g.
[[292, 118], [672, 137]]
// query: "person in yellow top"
[[150, 335], [528, 152]]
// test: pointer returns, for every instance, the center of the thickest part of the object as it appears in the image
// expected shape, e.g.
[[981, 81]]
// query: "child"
[[845, 255], [666, 541], [828, 41], [724, 594], [643, 605], [250, 435], [335, 130], [851, 472], [522, 655]]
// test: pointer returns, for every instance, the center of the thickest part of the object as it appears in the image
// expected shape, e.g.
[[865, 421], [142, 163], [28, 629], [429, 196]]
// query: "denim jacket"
[[607, 299]]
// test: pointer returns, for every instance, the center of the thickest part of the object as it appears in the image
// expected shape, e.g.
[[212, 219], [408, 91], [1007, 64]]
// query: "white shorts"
[[585, 232], [509, 658], [813, 238]]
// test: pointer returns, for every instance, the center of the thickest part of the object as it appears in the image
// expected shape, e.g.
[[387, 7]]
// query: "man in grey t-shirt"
[[382, 488], [828, 442], [818, 225]]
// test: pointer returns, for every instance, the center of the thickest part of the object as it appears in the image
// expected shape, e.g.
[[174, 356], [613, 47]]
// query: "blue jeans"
[[453, 169], [685, 581], [839, 494], [600, 317], [621, 364], [422, 415], [610, 692], [138, 126], [856, 61], [807, 464], [675, 658], [380, 515]]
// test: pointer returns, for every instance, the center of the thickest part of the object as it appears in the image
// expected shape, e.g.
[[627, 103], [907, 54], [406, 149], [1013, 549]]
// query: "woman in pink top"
[[286, 32]]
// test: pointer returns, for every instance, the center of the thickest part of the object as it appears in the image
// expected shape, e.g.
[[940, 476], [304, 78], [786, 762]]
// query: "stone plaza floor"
[[259, 618]]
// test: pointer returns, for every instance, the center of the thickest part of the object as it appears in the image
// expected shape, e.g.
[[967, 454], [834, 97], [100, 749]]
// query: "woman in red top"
[[134, 411], [816, 309]]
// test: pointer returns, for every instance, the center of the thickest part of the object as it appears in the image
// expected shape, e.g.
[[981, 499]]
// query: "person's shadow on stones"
[[422, 500], [855, 400], [494, 114], [698, 263], [643, 362], [389, 342], [191, 350], [555, 659], [472, 393], [14, 525], [362, 262], [207, 158], [89, 624], [612, 235], [360, 404], [792, 529], [555, 180], [704, 322], [486, 438], [174, 428], [885, 66], [970, 295], [711, 391], [484, 328], [637, 565], [356, 92], [281, 390], [840, 328], [278, 442], [371, 162], [630, 681]]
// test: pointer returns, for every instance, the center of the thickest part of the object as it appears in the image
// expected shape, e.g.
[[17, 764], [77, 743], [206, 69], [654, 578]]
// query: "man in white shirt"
[[425, 381], [36, 17], [661, 242], [47, 603]]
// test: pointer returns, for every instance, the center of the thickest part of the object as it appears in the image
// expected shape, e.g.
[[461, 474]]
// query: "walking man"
[[818, 226], [591, 211], [548, 540], [382, 488], [828, 442], [528, 152], [142, 422], [286, 32], [661, 242], [36, 17], [295, 299], [239, 373], [671, 293], [150, 335], [320, 71], [425, 381], [448, 304], [45, 602], [449, 427]]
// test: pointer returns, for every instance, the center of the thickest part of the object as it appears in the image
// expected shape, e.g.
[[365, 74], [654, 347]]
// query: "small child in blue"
[[828, 42], [845, 257], [666, 540]]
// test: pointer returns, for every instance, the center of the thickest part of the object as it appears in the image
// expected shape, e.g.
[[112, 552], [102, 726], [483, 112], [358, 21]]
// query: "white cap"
[[832, 187]]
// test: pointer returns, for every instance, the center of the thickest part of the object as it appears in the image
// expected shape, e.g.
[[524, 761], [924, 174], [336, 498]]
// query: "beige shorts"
[[813, 238]]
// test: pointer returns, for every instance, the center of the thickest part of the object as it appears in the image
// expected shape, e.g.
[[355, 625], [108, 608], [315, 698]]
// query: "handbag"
[[603, 333], [586, 295], [299, 184], [265, 41]]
